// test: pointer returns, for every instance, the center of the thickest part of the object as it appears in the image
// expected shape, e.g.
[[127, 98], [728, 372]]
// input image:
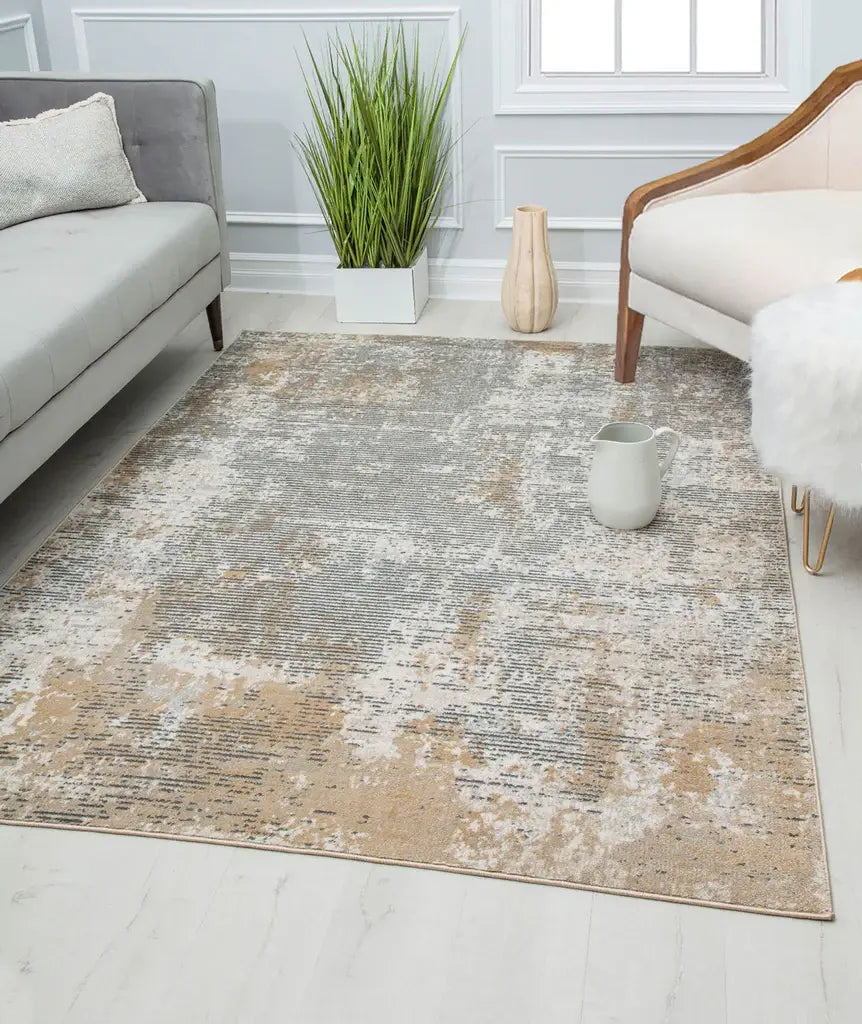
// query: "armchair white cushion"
[[737, 253]]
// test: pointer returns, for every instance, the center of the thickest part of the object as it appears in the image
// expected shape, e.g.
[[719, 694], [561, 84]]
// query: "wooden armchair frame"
[[630, 322]]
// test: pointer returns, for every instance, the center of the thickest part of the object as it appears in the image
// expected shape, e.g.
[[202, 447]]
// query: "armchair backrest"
[[819, 145]]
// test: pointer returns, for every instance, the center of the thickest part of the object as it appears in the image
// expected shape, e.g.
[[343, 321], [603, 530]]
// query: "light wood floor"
[[112, 929]]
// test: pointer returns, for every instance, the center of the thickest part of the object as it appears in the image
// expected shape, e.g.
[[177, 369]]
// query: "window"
[[671, 37], [576, 56]]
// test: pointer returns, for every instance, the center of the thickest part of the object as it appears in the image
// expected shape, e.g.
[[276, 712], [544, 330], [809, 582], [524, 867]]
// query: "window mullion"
[[768, 42], [693, 37], [618, 37], [533, 29]]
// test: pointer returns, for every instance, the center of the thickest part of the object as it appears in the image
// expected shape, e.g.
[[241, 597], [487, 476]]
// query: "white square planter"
[[383, 296]]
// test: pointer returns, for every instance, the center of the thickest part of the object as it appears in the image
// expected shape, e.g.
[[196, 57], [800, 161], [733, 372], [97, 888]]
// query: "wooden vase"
[[530, 282]]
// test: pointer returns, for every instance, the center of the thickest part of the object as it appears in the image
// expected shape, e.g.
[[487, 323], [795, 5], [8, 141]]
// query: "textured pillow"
[[64, 160]]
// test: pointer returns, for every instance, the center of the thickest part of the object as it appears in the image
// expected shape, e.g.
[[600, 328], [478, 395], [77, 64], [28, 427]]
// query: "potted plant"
[[377, 154]]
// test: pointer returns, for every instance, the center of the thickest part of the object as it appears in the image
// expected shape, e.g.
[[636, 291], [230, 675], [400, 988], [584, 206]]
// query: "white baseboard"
[[296, 273], [281, 272]]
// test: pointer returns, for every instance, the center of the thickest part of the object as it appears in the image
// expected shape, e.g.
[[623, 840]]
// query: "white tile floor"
[[98, 928]]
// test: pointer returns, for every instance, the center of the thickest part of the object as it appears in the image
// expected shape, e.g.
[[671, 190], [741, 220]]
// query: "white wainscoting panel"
[[252, 54], [450, 278], [598, 179], [18, 44]]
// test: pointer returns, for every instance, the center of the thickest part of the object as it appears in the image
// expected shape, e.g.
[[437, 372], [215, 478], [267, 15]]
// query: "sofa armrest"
[[169, 128]]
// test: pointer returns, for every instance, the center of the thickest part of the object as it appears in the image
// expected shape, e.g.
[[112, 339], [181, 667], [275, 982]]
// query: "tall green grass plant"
[[378, 147]]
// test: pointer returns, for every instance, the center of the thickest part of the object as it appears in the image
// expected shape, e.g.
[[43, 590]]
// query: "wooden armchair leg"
[[215, 322], [630, 327], [630, 324]]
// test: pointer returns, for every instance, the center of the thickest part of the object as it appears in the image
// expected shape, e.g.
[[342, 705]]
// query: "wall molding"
[[285, 219], [299, 274], [504, 154], [450, 15], [23, 23]]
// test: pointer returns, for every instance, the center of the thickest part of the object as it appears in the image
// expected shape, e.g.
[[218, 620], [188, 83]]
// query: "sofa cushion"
[[73, 285], [64, 160], [738, 253]]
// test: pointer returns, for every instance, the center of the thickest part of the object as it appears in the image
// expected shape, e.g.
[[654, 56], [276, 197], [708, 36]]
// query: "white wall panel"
[[584, 187], [254, 58], [17, 43]]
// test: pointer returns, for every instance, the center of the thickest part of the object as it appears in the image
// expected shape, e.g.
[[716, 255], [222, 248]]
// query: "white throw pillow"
[[64, 160]]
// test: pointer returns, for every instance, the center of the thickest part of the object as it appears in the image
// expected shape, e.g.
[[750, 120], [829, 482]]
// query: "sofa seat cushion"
[[73, 285], [738, 253]]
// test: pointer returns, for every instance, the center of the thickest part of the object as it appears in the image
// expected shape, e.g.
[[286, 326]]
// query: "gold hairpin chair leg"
[[805, 510]]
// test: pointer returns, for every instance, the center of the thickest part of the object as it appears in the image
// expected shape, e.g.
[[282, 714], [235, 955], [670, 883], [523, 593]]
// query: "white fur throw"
[[806, 390]]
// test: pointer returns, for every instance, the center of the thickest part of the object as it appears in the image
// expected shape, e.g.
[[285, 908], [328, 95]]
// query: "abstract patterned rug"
[[347, 598]]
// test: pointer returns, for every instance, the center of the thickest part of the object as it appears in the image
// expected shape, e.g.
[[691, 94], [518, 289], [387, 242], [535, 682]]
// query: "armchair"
[[704, 249]]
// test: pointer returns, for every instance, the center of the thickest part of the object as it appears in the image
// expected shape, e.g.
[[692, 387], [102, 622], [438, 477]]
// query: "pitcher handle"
[[665, 463]]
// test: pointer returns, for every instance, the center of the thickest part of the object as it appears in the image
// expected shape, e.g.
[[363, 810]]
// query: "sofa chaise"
[[87, 299]]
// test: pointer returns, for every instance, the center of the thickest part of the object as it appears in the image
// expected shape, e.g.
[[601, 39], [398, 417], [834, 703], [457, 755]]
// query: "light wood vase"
[[530, 282]]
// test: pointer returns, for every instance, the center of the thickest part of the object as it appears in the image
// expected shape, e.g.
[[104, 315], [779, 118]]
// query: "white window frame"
[[520, 88]]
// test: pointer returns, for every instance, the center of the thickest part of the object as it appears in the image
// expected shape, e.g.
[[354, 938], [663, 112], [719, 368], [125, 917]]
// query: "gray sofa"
[[88, 299]]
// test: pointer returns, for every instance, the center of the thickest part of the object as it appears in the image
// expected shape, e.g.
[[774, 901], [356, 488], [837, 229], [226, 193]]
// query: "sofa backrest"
[[169, 128]]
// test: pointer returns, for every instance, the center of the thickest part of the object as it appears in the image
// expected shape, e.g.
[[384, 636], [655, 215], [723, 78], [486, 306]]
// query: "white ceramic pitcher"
[[626, 476]]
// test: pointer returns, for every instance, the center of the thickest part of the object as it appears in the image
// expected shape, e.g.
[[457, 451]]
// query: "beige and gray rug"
[[347, 598]]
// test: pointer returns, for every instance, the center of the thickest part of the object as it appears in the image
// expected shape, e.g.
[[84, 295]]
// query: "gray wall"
[[23, 42], [836, 34], [253, 63]]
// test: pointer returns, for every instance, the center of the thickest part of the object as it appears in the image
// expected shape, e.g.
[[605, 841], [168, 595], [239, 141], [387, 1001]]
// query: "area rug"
[[347, 598]]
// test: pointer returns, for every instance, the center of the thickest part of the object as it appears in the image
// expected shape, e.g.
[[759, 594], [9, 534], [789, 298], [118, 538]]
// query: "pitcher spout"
[[624, 432]]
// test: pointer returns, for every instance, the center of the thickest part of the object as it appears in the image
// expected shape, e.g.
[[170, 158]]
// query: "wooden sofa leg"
[[630, 327], [214, 318]]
